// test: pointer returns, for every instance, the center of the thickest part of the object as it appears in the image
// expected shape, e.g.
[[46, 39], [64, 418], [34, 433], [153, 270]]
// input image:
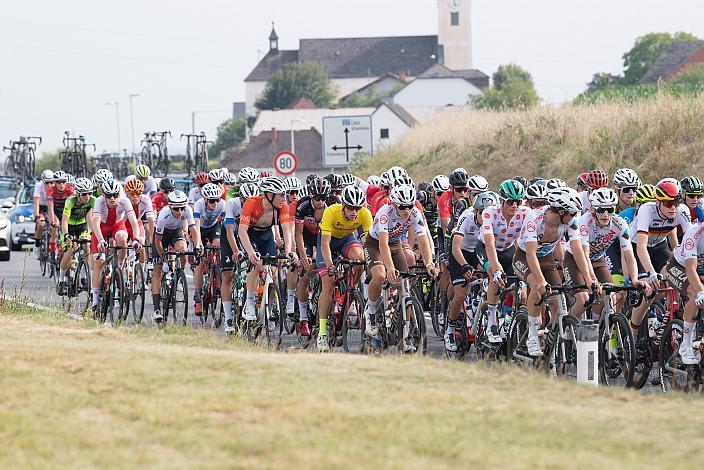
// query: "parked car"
[[8, 190], [22, 217], [5, 237]]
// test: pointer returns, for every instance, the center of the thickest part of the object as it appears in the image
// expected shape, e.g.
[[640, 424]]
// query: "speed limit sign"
[[285, 163]]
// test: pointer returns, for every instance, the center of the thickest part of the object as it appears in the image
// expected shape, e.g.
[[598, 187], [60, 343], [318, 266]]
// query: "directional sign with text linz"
[[345, 138]]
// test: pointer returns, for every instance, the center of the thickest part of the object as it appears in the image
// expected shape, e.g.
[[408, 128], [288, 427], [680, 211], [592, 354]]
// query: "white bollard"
[[588, 352]]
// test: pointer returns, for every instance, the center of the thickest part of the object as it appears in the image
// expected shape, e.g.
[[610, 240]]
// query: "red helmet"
[[597, 179], [201, 178], [583, 181], [264, 174], [667, 189]]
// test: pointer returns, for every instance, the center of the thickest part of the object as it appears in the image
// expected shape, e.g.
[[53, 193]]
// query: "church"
[[356, 63]]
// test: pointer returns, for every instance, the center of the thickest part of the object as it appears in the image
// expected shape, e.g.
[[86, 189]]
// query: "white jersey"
[[194, 195], [166, 221], [40, 192], [144, 207], [584, 196], [467, 227], [208, 218], [692, 247], [534, 229], [388, 221], [101, 211], [505, 232], [649, 221], [150, 185], [600, 239], [233, 211]]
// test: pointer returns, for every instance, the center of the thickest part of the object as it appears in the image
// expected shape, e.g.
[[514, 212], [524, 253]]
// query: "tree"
[[230, 133], [513, 88], [295, 81], [48, 161], [646, 51], [691, 74], [601, 81]]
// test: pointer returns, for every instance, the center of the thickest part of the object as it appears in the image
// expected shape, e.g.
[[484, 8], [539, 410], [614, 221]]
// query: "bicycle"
[[508, 306], [74, 158], [78, 296], [674, 375], [21, 160], [212, 280], [135, 287], [44, 253], [174, 289], [196, 153], [465, 336], [439, 303], [112, 289]]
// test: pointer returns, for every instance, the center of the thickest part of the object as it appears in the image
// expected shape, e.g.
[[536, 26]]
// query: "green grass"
[[75, 395]]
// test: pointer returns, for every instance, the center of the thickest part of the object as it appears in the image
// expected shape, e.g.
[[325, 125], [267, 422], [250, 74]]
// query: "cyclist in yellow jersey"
[[336, 236]]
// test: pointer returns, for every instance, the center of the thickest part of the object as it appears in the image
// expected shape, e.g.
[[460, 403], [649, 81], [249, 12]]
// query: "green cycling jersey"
[[233, 192], [77, 213]]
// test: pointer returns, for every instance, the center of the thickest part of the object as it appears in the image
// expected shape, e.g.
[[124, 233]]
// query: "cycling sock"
[[250, 297], [450, 329], [533, 325], [227, 307], [303, 309], [373, 306], [491, 315], [323, 327], [52, 246], [291, 296], [96, 296], [688, 334], [156, 299], [62, 275], [634, 327]]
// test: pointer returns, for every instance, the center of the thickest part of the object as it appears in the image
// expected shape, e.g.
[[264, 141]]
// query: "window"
[[454, 19], [384, 133]]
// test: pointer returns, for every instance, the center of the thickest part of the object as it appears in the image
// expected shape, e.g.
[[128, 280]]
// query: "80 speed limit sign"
[[285, 163]]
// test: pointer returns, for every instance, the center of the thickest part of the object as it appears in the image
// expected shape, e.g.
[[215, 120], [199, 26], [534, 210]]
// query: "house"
[[300, 119], [380, 88], [440, 86], [674, 59]]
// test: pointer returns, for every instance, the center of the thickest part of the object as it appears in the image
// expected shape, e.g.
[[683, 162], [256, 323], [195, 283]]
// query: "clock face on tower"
[[454, 5]]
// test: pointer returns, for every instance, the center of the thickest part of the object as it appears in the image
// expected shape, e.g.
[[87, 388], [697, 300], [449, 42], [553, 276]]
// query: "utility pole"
[[117, 121], [133, 95]]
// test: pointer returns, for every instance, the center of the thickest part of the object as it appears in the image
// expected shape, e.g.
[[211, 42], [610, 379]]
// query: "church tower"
[[455, 34]]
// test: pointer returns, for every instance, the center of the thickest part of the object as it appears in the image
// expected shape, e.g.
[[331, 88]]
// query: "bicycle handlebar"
[[558, 289]]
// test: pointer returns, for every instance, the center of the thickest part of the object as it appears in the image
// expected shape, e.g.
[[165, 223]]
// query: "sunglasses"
[[694, 195], [167, 191], [563, 213], [178, 209], [405, 207], [213, 201], [673, 203], [513, 202], [293, 193], [461, 190], [111, 196], [85, 194], [319, 198], [604, 210], [134, 194], [628, 190], [353, 208]]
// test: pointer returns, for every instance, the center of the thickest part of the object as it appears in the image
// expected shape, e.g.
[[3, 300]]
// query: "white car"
[[5, 236]]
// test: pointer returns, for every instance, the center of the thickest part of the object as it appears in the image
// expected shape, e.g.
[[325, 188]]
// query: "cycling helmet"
[[692, 185], [353, 196], [603, 197], [47, 176], [319, 187], [60, 176], [645, 193], [83, 185], [273, 185], [70, 179], [441, 183], [582, 182], [311, 177], [142, 171], [177, 199], [477, 184], [293, 184], [512, 189], [394, 172], [134, 186], [458, 178], [201, 178], [248, 190], [667, 189], [554, 183], [374, 180], [216, 175], [211, 191], [625, 177], [230, 179], [403, 195], [537, 191], [485, 199], [110, 187], [347, 179], [334, 180], [265, 174], [597, 179], [402, 180], [424, 186], [167, 184], [248, 175], [566, 199], [521, 180], [534, 180]]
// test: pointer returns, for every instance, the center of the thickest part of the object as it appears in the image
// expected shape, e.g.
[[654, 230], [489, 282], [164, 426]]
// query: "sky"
[[63, 60]]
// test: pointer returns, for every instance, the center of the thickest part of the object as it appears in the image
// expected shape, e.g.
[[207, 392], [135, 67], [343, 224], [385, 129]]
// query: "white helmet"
[[293, 184], [177, 199], [47, 175], [625, 177], [441, 183], [374, 180], [353, 196], [248, 190], [537, 191], [70, 179], [230, 179], [394, 172], [101, 176], [603, 197], [60, 176], [566, 199], [216, 175], [211, 191], [83, 185], [110, 187], [484, 200], [477, 184], [248, 175], [273, 185], [347, 179], [402, 180], [553, 183], [403, 195]]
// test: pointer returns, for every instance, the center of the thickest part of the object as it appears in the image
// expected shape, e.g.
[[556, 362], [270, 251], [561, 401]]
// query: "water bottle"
[[588, 352]]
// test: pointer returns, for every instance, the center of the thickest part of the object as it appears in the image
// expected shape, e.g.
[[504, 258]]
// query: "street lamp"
[[133, 95], [293, 139], [193, 116], [117, 120]]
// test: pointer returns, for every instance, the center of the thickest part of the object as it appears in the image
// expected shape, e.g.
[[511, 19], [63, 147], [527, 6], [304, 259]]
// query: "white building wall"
[[252, 91], [436, 92], [384, 118]]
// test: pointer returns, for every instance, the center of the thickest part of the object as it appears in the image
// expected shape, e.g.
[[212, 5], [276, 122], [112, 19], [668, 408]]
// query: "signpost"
[[346, 138], [285, 163]]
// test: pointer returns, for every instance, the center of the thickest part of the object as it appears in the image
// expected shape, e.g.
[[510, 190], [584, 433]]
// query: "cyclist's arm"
[[457, 239], [244, 239], [586, 251], [195, 235], [89, 220], [426, 251], [300, 244], [289, 244], [97, 231], [64, 225], [36, 207], [50, 211], [158, 246], [150, 229], [630, 265], [642, 251], [325, 248], [232, 240], [583, 263], [690, 267], [672, 239]]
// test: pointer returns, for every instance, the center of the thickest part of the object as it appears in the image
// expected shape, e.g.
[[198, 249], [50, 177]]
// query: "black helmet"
[[167, 184], [424, 186], [533, 180], [520, 179], [334, 179], [319, 187], [459, 177], [692, 185]]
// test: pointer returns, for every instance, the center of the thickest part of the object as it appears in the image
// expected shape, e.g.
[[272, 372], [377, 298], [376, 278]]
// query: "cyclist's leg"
[[676, 276], [264, 244], [327, 283], [575, 277], [376, 274], [302, 288], [97, 266], [227, 264]]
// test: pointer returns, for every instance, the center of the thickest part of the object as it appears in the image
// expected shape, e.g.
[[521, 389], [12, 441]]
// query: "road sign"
[[285, 163], [346, 138]]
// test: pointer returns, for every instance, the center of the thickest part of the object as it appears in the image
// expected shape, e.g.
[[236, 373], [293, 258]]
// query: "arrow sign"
[[346, 137]]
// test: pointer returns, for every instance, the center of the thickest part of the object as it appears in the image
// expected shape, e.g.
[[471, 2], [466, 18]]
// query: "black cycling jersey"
[[305, 213]]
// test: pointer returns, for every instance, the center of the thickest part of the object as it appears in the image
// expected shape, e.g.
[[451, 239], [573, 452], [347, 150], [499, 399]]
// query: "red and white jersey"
[[692, 247], [534, 229], [144, 207], [600, 239], [122, 211], [651, 222], [505, 232], [388, 221], [40, 192]]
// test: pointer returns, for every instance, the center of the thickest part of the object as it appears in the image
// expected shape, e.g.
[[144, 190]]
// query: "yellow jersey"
[[335, 224]]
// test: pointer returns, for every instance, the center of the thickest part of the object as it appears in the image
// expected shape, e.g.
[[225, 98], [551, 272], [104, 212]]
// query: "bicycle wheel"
[[672, 371], [417, 335], [137, 294], [214, 306], [353, 323], [167, 303], [82, 289], [643, 347], [617, 358], [436, 307], [180, 299], [273, 318], [516, 348], [564, 353], [43, 260], [116, 294]]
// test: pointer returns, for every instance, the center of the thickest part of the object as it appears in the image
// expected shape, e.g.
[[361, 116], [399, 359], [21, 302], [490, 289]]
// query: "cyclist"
[[537, 195], [534, 262], [582, 182], [40, 208], [501, 227], [447, 214], [144, 174], [76, 224], [335, 183], [159, 200], [100, 177], [168, 233], [428, 200], [260, 214], [201, 179], [217, 176], [143, 209], [55, 199], [626, 182], [230, 249], [109, 214], [595, 180], [464, 258], [294, 190], [336, 237], [644, 193], [229, 185], [207, 213], [476, 185], [692, 191]]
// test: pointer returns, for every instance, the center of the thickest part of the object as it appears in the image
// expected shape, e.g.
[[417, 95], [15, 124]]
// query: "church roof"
[[475, 77], [677, 53]]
